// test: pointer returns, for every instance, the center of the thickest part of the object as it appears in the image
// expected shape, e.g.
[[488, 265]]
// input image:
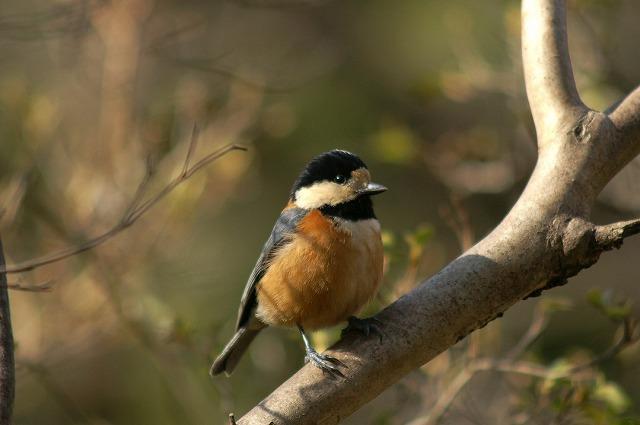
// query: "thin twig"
[[140, 190], [612, 235], [537, 326], [627, 338], [108, 284], [192, 148], [34, 287], [508, 365], [457, 218], [56, 391], [135, 210], [13, 201]]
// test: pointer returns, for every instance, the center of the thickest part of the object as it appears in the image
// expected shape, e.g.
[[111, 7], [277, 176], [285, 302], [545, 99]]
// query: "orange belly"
[[326, 273]]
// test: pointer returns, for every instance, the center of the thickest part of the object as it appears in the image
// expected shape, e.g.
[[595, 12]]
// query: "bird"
[[321, 264]]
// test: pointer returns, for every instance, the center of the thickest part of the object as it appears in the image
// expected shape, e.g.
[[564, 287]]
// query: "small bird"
[[321, 264]]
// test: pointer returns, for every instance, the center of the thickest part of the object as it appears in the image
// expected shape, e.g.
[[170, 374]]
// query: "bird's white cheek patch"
[[323, 193]]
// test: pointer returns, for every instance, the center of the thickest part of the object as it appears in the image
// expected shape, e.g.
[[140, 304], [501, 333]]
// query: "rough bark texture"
[[546, 238], [7, 368]]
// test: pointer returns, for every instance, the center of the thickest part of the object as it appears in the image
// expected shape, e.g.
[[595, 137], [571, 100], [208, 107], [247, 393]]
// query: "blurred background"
[[429, 93]]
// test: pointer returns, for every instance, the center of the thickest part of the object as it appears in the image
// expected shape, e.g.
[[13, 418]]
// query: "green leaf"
[[554, 304], [613, 396], [605, 301], [388, 240], [619, 312], [423, 234], [594, 296]]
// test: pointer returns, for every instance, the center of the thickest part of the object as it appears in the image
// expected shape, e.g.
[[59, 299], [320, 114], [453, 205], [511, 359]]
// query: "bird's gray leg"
[[367, 326], [325, 363]]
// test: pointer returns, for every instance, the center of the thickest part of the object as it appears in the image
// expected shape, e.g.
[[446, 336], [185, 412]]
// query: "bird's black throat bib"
[[360, 208]]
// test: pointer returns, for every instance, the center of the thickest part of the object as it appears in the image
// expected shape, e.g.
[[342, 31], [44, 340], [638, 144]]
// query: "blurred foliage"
[[430, 94]]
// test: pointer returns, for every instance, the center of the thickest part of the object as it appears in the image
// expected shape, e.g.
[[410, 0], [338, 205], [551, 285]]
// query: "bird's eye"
[[340, 179]]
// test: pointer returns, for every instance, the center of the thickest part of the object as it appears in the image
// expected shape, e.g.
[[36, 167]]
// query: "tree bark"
[[7, 367], [546, 238]]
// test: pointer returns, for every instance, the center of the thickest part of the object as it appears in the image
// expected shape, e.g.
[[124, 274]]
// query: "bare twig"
[[32, 287], [627, 338], [612, 235], [108, 284], [56, 391], [13, 200], [208, 65], [192, 148], [136, 209], [508, 365], [457, 218], [537, 326]]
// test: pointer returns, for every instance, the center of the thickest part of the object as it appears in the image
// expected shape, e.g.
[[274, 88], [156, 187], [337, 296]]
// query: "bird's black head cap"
[[327, 166]]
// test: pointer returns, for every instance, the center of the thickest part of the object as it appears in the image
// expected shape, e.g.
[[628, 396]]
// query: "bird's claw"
[[367, 326], [325, 363]]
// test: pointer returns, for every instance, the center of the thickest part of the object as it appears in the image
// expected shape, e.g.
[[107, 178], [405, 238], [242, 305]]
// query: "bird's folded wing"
[[285, 226]]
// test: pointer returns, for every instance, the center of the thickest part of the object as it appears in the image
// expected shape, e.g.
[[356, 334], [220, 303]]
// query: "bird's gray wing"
[[285, 225]]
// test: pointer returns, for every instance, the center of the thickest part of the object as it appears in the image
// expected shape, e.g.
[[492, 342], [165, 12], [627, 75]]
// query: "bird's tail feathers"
[[233, 351]]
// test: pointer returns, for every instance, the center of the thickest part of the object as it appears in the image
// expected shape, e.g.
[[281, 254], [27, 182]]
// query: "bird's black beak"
[[372, 189]]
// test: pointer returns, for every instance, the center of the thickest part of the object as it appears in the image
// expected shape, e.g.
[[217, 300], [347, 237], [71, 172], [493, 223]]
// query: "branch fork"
[[546, 238]]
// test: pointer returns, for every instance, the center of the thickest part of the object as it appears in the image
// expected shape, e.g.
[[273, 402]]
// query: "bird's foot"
[[367, 326], [326, 363]]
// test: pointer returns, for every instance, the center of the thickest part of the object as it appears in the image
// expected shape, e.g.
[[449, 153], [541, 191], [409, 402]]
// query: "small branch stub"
[[612, 235], [546, 238]]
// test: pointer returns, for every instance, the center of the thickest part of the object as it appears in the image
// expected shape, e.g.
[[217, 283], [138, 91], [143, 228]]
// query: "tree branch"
[[7, 367], [136, 209], [627, 112], [626, 118], [612, 235], [551, 89], [545, 239]]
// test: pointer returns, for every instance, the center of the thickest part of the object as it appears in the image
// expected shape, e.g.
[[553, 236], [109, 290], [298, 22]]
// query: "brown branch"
[[13, 200], [551, 89], [136, 209], [626, 115], [31, 287], [612, 235], [457, 218], [7, 366], [627, 338], [537, 326], [545, 239]]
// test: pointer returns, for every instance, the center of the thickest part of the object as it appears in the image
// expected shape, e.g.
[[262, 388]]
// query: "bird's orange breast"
[[327, 272]]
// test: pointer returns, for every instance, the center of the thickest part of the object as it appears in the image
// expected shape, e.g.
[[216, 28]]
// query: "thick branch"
[[7, 367], [545, 239], [551, 89], [626, 114], [626, 118]]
